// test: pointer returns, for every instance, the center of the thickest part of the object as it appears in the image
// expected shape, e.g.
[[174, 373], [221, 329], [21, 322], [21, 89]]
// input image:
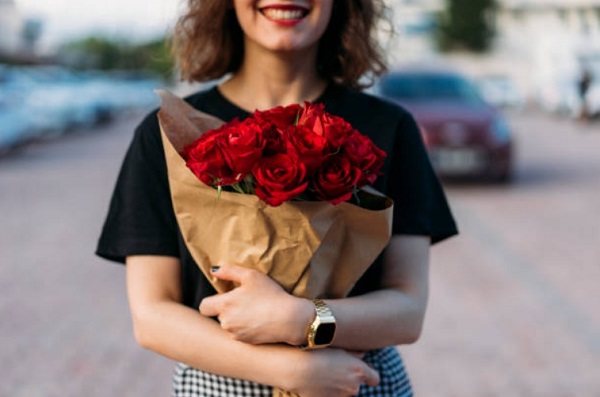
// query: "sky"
[[133, 19]]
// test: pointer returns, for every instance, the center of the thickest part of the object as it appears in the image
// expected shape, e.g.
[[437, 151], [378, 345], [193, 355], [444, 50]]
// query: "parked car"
[[465, 136], [15, 129], [39, 102]]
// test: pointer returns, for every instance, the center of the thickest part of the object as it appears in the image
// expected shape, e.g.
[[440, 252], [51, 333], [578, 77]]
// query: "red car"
[[464, 135]]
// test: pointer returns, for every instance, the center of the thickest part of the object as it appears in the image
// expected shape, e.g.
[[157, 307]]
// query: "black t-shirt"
[[141, 220]]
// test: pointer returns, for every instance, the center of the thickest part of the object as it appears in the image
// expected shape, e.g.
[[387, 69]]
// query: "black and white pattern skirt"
[[190, 382]]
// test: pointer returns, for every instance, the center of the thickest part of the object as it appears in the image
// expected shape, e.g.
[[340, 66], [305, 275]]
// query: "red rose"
[[312, 117], [208, 162], [336, 180], [363, 153], [279, 116], [311, 147], [242, 145], [279, 178], [273, 137], [337, 130]]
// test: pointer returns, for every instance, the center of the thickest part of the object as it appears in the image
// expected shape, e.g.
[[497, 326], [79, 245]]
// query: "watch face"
[[324, 334]]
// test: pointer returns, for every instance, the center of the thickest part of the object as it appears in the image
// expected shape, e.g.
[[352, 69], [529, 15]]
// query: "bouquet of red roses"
[[287, 153], [281, 192]]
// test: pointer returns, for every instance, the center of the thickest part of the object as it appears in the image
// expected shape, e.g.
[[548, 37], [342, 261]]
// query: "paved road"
[[514, 308], [514, 303], [64, 321]]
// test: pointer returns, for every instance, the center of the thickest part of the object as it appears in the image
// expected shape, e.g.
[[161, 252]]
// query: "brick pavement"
[[65, 329]]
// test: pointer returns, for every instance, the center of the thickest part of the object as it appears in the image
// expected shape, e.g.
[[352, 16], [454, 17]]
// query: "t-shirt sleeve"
[[420, 204], [140, 218]]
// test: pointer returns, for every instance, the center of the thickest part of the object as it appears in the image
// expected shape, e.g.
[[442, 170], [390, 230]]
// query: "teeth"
[[279, 14]]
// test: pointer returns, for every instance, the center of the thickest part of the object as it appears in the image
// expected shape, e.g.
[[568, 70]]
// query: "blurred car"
[[465, 136], [38, 102], [15, 129]]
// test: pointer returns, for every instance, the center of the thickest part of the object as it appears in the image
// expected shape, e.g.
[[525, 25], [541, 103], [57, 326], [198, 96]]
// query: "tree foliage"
[[466, 25], [113, 54]]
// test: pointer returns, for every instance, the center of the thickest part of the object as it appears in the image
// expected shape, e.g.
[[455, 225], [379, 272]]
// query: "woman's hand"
[[258, 310], [331, 373]]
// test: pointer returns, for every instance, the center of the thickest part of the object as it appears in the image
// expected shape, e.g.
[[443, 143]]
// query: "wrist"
[[291, 371], [321, 330], [302, 314], [279, 365]]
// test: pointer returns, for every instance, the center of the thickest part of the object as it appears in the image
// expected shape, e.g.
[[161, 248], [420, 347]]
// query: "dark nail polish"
[[214, 268]]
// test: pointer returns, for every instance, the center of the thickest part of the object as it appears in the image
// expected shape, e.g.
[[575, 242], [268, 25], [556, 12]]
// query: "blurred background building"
[[531, 53], [76, 85], [541, 46], [19, 34], [10, 27]]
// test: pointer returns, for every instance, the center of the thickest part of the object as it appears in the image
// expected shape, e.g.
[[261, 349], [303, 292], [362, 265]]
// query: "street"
[[514, 298]]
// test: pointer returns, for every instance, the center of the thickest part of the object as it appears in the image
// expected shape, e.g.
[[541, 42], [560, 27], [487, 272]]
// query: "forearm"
[[184, 335], [260, 311], [394, 314], [164, 325], [371, 321], [378, 319]]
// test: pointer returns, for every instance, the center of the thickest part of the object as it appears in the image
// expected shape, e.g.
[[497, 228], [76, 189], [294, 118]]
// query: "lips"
[[284, 12]]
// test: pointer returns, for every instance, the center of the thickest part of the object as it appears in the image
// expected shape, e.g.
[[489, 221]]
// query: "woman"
[[278, 52]]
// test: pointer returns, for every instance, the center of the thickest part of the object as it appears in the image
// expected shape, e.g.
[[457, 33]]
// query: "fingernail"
[[214, 269]]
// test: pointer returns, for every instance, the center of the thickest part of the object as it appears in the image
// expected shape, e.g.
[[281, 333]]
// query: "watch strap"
[[323, 317]]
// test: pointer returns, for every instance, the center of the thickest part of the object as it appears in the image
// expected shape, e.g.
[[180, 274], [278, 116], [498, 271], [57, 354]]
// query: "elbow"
[[141, 331], [141, 338], [412, 326], [413, 333]]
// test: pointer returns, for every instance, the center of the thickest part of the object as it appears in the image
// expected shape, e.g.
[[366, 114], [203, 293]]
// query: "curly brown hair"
[[208, 42]]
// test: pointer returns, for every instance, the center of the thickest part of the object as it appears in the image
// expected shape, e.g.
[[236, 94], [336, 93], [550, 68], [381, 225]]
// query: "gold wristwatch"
[[321, 331]]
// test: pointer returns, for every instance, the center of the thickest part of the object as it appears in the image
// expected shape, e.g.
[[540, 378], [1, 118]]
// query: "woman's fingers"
[[209, 306], [371, 377], [357, 353], [231, 273]]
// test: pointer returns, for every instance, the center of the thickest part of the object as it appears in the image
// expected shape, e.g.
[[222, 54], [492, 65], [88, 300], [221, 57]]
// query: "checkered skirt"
[[190, 382]]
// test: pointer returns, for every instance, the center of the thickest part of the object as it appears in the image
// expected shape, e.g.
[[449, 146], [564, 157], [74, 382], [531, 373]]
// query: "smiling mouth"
[[284, 13]]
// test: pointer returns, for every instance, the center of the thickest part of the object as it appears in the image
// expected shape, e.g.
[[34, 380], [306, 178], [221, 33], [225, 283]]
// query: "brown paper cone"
[[312, 249]]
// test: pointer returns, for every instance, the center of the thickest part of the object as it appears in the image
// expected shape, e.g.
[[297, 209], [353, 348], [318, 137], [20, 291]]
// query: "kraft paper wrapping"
[[312, 249]]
